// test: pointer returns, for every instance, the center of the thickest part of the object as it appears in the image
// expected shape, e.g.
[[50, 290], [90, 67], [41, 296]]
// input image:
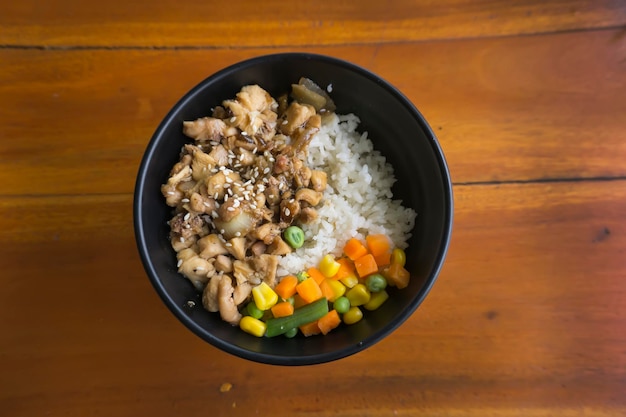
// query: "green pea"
[[254, 311], [291, 333], [376, 283], [294, 236], [342, 305]]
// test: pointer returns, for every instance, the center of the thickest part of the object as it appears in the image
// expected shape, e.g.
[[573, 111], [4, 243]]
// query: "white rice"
[[358, 200]]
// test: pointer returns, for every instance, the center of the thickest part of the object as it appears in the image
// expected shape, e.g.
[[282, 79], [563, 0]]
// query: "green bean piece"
[[291, 333], [294, 236], [254, 311], [342, 305], [303, 315], [375, 283]]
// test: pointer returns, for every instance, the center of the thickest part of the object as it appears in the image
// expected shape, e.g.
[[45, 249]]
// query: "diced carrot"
[[328, 322], [397, 275], [378, 244], [354, 249], [346, 267], [286, 287], [316, 274], [282, 309], [310, 329], [309, 290], [298, 301], [383, 259], [366, 265]]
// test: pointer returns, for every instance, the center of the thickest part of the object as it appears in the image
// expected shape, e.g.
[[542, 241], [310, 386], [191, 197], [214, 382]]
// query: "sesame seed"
[[185, 200], [222, 231], [230, 208], [187, 226], [241, 156], [214, 214], [199, 269], [217, 205], [171, 193], [227, 185], [225, 198], [228, 244], [216, 195], [271, 196], [230, 191], [187, 216], [329, 88], [254, 150], [266, 170], [254, 206], [206, 204], [238, 234], [233, 119], [182, 239], [287, 212], [179, 263], [285, 122]]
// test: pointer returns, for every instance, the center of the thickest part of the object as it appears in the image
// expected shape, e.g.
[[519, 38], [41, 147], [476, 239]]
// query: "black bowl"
[[396, 128]]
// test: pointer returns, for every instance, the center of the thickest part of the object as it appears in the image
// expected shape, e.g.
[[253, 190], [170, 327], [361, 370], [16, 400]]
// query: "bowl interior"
[[396, 128]]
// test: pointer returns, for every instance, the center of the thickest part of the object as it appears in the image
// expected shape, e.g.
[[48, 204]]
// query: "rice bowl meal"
[[283, 213]]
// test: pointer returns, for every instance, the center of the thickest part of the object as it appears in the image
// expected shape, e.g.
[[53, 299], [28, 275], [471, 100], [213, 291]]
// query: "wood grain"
[[276, 23], [526, 319], [551, 106]]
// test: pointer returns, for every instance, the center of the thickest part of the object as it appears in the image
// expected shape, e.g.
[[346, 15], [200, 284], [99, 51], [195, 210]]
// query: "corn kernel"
[[350, 280], [329, 266], [358, 295], [376, 300], [353, 315], [264, 296], [338, 288], [253, 326]]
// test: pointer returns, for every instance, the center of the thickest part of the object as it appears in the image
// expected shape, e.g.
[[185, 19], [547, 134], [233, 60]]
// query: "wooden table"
[[528, 99]]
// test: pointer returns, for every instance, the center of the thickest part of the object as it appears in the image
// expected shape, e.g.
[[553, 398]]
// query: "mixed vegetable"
[[336, 291]]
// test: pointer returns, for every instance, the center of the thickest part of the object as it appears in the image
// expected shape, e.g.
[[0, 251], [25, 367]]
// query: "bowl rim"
[[272, 359]]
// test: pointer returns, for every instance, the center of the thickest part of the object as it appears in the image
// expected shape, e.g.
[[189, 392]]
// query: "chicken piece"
[[307, 215], [209, 295], [227, 306], [289, 210], [171, 190], [196, 269], [302, 177], [244, 157], [303, 135], [202, 203], [319, 180], [279, 247], [220, 154], [242, 291], [207, 129], [223, 263], [312, 197], [201, 164], [237, 247], [186, 225], [179, 243], [252, 113], [257, 269], [210, 246], [267, 232], [265, 267], [295, 116], [258, 248]]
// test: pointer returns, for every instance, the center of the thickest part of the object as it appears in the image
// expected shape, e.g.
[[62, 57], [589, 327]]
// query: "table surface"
[[528, 100]]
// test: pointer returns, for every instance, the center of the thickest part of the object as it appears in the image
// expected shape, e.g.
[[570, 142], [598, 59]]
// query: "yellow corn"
[[253, 326], [353, 315], [358, 295], [398, 257], [376, 300], [328, 266], [264, 296], [338, 288], [350, 280]]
